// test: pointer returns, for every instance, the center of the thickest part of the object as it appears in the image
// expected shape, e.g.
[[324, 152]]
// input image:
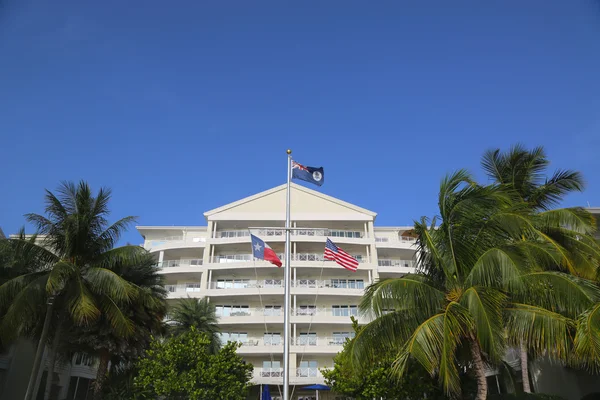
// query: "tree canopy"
[[183, 367]]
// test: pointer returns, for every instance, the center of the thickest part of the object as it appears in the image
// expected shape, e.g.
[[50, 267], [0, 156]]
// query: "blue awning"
[[316, 387]]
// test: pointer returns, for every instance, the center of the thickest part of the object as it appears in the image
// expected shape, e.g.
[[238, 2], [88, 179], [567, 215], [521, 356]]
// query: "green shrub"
[[524, 396]]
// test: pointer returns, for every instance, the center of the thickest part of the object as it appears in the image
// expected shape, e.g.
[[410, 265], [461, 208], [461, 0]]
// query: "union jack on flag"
[[334, 253], [299, 166]]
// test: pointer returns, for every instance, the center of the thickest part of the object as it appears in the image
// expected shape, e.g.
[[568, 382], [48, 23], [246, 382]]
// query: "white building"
[[215, 261]]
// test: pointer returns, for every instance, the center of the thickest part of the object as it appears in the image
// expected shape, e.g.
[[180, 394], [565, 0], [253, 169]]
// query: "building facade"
[[215, 261]]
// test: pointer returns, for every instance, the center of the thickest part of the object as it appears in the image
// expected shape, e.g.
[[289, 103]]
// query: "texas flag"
[[262, 251]]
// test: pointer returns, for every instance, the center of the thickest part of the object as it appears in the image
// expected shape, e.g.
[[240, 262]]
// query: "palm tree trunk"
[[479, 368], [524, 368], [101, 374], [51, 364], [40, 351]]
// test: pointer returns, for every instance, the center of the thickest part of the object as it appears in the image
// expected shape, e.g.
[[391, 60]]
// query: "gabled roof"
[[294, 186]]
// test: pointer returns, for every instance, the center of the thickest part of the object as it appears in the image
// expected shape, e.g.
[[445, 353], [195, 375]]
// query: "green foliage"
[[375, 381], [182, 367], [496, 260], [198, 313], [524, 396]]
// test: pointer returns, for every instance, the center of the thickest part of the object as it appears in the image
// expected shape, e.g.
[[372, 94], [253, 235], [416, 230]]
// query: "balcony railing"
[[236, 258], [334, 233], [330, 283], [178, 263], [240, 258], [278, 373], [395, 263], [332, 312], [402, 239], [251, 311], [185, 287], [247, 283]]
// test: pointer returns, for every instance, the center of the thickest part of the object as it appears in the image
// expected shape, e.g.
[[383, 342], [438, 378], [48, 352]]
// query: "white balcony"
[[298, 376], [250, 315], [234, 261], [191, 289], [324, 315], [396, 266], [395, 242], [182, 266], [299, 235], [175, 242]]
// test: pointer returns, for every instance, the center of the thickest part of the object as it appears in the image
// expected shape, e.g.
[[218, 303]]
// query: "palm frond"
[[111, 235], [587, 338], [408, 292], [433, 344], [106, 281], [558, 292], [485, 306], [384, 335], [556, 188], [61, 273], [494, 164], [545, 332], [497, 267], [576, 219], [118, 320], [82, 304]]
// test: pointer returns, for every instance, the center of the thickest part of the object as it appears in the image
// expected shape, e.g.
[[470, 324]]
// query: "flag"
[[334, 253], [308, 174], [262, 251]]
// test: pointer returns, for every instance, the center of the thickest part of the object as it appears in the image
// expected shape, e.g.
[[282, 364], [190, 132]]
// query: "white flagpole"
[[287, 273]]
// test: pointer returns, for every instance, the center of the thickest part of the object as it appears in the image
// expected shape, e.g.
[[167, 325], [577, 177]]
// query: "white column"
[[368, 254], [295, 276], [366, 231], [295, 335], [209, 277], [214, 233], [370, 277], [161, 256], [295, 305]]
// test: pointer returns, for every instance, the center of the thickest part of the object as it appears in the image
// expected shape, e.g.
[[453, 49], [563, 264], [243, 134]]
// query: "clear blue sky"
[[184, 106]]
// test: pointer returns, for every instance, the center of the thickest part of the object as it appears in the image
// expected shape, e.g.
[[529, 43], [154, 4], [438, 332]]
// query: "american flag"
[[334, 253]]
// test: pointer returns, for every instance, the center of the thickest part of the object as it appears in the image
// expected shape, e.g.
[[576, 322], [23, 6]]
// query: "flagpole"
[[287, 273]]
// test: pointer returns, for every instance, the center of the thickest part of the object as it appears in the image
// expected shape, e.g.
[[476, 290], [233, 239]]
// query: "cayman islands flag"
[[262, 251], [309, 174]]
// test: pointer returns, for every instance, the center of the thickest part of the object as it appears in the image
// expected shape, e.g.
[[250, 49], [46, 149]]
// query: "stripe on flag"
[[334, 253]]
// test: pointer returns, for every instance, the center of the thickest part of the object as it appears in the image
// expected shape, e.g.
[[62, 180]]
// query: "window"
[[271, 368], [339, 338], [307, 339], [84, 359], [307, 369], [344, 311], [272, 339], [306, 310], [272, 311]]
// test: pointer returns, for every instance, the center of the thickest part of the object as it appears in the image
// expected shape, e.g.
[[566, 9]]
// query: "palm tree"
[[198, 313], [146, 313], [568, 230], [475, 277], [76, 279]]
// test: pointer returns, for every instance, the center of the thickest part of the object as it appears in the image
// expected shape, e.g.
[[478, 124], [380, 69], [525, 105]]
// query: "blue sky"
[[184, 106]]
